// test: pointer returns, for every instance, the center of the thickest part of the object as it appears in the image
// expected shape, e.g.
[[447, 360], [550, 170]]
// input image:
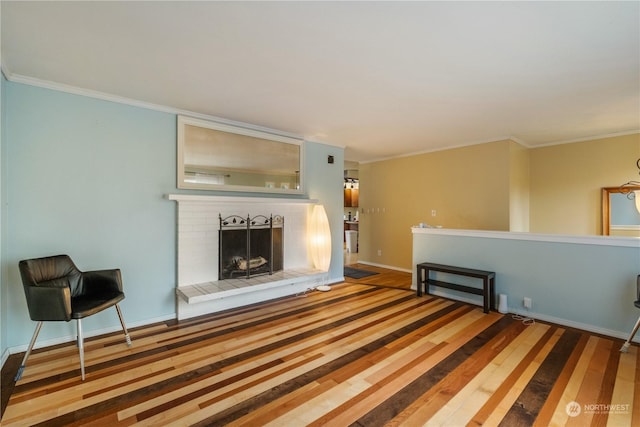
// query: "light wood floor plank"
[[591, 384], [623, 391]]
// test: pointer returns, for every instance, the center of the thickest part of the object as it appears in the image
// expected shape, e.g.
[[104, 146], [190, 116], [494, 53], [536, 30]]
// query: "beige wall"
[[467, 187], [566, 182], [519, 187], [495, 186]]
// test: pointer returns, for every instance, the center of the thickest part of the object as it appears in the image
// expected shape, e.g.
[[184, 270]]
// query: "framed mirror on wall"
[[216, 156], [620, 213]]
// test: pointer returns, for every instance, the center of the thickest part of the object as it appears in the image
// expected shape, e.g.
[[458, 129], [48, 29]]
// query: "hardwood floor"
[[363, 354], [385, 277]]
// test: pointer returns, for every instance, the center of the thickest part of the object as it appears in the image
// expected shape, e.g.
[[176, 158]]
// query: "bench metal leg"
[[28, 352], [492, 294], [485, 295]]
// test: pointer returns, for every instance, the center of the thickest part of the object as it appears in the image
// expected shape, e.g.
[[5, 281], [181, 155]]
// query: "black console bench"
[[488, 281]]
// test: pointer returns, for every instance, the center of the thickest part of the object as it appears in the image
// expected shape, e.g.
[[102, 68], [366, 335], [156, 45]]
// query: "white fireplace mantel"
[[198, 288]]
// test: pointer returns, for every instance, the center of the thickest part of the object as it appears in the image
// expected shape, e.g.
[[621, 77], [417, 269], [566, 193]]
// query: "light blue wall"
[[88, 177], [583, 285], [623, 210], [325, 184], [3, 289]]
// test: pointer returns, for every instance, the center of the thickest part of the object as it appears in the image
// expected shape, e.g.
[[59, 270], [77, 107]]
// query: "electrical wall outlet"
[[379, 252], [433, 212], [527, 302]]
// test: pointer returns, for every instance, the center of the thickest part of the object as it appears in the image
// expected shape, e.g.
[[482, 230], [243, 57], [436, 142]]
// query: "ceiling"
[[381, 79]]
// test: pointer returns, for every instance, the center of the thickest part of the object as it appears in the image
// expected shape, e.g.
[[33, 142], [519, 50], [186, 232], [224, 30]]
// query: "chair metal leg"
[[627, 343], [81, 347], [28, 352], [124, 328]]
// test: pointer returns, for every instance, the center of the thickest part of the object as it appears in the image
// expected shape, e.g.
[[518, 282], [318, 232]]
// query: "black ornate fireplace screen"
[[250, 246]]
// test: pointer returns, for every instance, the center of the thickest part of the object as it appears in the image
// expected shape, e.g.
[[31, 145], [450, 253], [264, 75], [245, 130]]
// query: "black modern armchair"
[[57, 291], [627, 343]]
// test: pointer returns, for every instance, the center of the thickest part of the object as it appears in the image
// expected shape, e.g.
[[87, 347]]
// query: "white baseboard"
[[390, 267], [543, 317], [577, 325], [5, 356]]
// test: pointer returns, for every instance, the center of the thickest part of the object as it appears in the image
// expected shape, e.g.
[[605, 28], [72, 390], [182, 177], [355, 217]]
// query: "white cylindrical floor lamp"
[[319, 235]]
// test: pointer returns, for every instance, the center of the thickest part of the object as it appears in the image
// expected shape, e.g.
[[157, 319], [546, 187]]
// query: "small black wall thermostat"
[[330, 159]]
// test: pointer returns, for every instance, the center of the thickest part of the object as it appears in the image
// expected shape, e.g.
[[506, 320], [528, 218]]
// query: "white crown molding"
[[4, 70], [588, 138], [61, 87], [520, 141], [504, 138], [452, 147], [330, 144]]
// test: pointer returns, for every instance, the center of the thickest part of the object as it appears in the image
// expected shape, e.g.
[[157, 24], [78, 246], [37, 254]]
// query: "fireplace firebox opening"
[[250, 246]]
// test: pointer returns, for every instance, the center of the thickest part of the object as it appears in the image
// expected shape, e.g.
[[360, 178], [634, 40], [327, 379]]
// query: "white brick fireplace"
[[198, 289]]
